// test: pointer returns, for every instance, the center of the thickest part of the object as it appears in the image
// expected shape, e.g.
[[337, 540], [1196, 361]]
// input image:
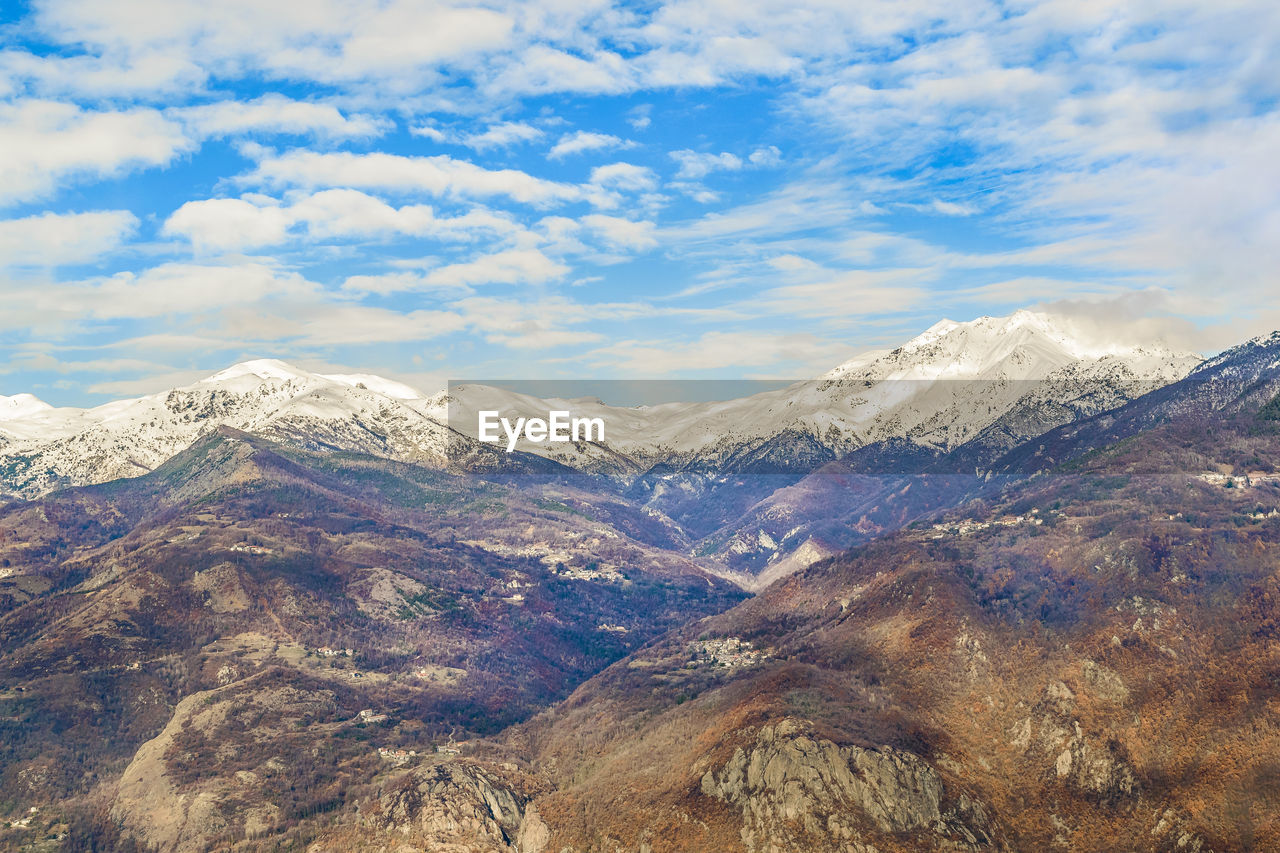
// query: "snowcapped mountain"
[[940, 390], [20, 406], [42, 447], [996, 381]]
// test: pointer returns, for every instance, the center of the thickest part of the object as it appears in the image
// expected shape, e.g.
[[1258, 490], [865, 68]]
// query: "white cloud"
[[182, 288], [335, 41], [947, 208], [624, 176], [257, 220], [765, 157], [640, 117], [502, 135], [622, 233], [427, 131], [351, 213], [87, 76], [541, 69], [277, 114], [699, 164], [582, 140], [63, 239], [384, 283], [696, 191], [438, 175], [228, 224], [325, 324], [541, 324], [47, 144], [167, 290], [514, 266], [694, 164], [806, 205], [840, 296], [246, 305]]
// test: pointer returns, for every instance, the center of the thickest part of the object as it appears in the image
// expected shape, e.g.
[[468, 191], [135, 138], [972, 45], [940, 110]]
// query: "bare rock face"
[[1171, 834], [149, 801], [1093, 767], [458, 806], [798, 792], [173, 811]]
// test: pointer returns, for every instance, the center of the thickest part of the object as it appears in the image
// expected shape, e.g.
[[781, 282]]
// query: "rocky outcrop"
[[458, 806], [152, 806], [169, 809], [1082, 762], [1172, 834], [797, 792]]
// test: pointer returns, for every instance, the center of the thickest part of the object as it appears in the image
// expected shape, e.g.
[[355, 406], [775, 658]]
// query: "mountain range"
[[968, 392], [1034, 608], [924, 391]]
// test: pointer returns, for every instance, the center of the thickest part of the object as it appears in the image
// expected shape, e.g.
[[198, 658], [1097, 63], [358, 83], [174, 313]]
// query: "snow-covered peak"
[[261, 368], [359, 412], [20, 406], [273, 370], [386, 387], [1025, 345]]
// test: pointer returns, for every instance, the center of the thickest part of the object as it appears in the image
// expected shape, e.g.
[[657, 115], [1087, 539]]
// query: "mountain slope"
[[1241, 378], [172, 646]]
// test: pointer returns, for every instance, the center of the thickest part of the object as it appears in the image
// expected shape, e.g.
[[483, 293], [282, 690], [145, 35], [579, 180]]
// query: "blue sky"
[[554, 189]]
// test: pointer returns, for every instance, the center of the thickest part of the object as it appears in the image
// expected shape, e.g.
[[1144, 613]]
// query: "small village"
[[964, 528], [589, 572], [402, 756], [397, 756], [731, 652], [257, 550], [1251, 480]]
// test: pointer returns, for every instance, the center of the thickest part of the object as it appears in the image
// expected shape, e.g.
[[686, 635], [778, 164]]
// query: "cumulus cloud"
[[694, 164], [336, 41], [276, 114], [699, 164], [45, 143], [63, 239], [222, 224], [624, 176], [621, 233], [514, 266], [256, 220], [502, 135], [166, 290], [438, 175], [582, 141]]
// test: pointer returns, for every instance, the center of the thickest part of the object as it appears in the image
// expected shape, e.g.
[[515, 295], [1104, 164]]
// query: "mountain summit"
[[1024, 345]]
